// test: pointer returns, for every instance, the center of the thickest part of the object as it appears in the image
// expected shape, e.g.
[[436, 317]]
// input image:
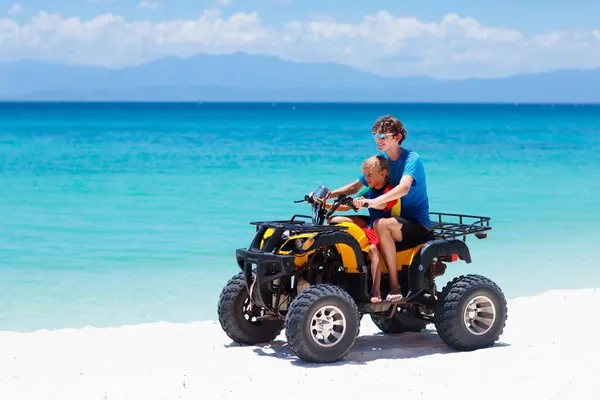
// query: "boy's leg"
[[375, 273], [389, 231], [355, 219]]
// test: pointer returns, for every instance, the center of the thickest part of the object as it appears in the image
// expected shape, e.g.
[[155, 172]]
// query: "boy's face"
[[375, 177], [391, 140]]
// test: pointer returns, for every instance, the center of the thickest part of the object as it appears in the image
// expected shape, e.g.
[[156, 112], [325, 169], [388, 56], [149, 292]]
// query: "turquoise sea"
[[125, 213]]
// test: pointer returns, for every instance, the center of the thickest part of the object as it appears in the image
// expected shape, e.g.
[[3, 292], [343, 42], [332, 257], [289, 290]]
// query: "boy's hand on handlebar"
[[360, 202]]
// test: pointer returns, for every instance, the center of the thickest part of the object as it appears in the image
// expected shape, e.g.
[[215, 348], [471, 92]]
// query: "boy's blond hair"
[[379, 163]]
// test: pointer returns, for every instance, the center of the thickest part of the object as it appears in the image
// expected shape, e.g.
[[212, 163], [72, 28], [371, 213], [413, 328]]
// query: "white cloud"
[[150, 5], [15, 9], [547, 40], [453, 47], [111, 41]]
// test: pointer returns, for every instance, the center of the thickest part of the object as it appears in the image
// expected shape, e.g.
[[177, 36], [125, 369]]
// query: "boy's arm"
[[380, 206], [340, 208], [396, 193], [348, 189]]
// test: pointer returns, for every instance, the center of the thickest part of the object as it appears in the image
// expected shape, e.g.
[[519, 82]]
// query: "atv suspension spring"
[[251, 301], [436, 269], [432, 274]]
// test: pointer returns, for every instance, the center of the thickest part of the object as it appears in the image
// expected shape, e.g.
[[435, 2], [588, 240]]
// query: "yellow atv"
[[314, 279]]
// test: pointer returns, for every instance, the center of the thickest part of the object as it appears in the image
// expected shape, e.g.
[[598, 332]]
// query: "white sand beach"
[[550, 350]]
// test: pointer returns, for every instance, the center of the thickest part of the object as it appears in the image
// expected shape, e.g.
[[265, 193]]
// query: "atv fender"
[[332, 238], [422, 261]]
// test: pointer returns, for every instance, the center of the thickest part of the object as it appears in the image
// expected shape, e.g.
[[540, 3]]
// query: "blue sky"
[[532, 16], [462, 38]]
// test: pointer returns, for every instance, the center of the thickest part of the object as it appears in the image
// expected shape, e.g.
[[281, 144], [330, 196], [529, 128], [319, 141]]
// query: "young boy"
[[377, 175]]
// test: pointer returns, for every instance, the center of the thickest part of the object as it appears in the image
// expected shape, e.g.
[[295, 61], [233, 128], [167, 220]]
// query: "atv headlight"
[[303, 245], [308, 243]]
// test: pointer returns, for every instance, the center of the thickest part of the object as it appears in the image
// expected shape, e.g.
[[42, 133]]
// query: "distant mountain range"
[[244, 77]]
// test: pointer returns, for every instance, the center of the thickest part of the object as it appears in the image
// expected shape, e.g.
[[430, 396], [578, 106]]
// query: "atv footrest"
[[382, 307]]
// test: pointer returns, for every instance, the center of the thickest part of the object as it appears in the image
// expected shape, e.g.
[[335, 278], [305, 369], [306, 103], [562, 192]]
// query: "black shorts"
[[412, 230]]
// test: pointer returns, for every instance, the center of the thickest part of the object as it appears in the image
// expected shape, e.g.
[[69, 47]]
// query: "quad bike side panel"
[[357, 233], [289, 247], [267, 235], [404, 258], [347, 252]]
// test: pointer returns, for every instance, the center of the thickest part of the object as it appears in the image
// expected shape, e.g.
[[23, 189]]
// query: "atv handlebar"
[[318, 200], [342, 200], [348, 201]]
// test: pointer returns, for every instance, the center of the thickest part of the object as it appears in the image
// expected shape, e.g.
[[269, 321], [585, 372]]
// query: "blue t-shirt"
[[415, 204]]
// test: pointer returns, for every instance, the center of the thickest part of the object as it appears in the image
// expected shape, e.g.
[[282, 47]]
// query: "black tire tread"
[[447, 308], [295, 317], [226, 311]]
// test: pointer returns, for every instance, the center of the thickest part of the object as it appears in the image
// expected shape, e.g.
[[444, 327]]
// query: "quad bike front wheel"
[[322, 324], [236, 320], [471, 313]]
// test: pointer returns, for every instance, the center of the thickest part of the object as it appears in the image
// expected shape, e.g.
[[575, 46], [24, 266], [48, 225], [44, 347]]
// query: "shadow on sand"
[[372, 347]]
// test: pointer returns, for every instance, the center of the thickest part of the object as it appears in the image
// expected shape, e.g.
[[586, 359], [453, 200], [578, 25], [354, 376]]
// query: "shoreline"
[[544, 353], [549, 292], [212, 321]]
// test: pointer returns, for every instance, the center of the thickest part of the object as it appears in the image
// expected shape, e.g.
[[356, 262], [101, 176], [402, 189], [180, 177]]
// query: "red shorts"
[[372, 236]]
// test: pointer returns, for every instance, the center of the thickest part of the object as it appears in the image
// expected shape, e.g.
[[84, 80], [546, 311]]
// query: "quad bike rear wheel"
[[236, 320], [471, 313], [322, 324]]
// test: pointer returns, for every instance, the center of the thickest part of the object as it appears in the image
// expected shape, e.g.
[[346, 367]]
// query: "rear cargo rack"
[[444, 225], [447, 226]]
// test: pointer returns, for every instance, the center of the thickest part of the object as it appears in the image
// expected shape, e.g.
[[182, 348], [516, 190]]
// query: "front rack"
[[462, 225]]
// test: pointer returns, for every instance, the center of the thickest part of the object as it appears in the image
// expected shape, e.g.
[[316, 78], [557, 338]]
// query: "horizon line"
[[275, 102]]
